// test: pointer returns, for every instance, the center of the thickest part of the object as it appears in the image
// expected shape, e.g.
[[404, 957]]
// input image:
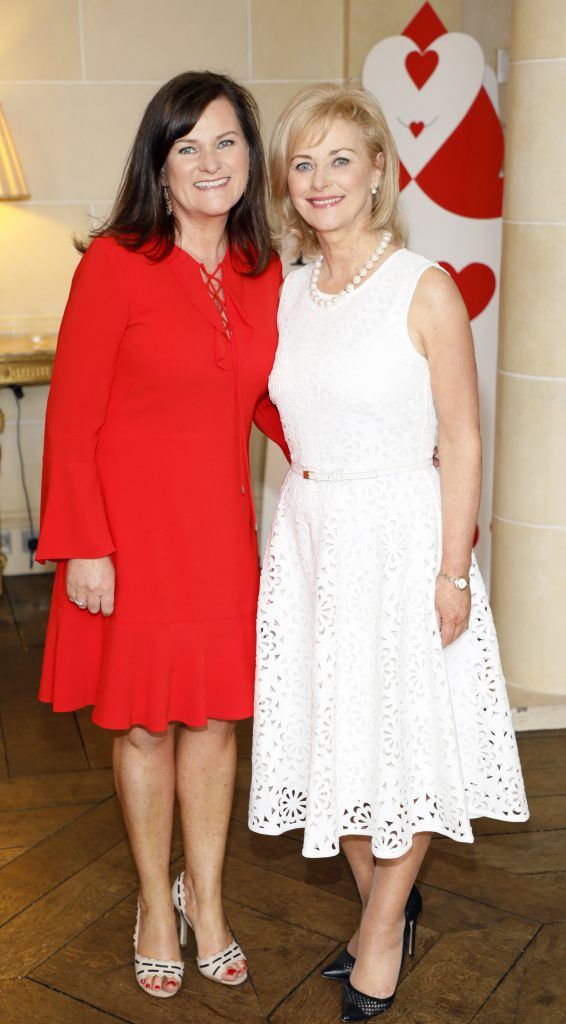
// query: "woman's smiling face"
[[330, 181], [206, 170]]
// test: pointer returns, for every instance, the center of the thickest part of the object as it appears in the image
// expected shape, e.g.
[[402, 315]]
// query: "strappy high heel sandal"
[[341, 968], [210, 966], [146, 968], [356, 1005]]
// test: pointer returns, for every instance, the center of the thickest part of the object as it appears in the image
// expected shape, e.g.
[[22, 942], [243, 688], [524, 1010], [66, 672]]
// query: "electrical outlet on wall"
[[15, 545], [27, 536]]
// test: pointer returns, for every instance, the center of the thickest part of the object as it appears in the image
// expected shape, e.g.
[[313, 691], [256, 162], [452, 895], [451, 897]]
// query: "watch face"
[[461, 583]]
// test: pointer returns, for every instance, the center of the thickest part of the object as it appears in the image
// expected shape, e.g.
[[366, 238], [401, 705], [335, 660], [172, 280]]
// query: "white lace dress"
[[364, 725]]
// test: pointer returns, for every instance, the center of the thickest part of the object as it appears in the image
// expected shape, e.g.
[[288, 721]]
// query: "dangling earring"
[[167, 200], [374, 190]]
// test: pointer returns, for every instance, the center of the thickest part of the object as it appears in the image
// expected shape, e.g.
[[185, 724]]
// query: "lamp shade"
[[12, 181]]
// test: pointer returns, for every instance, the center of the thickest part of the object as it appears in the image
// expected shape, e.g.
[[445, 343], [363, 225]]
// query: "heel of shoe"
[[178, 897], [412, 923], [183, 930]]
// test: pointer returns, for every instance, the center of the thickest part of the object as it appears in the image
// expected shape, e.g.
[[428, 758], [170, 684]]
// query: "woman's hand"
[[90, 584], [453, 609]]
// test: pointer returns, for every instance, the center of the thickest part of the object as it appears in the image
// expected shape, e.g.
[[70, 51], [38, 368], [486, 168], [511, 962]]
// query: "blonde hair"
[[312, 111]]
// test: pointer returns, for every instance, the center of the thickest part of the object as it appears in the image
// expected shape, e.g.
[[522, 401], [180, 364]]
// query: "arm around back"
[[267, 419], [266, 416]]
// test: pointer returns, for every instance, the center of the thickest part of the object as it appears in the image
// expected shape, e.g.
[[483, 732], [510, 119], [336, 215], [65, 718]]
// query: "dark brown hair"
[[139, 218]]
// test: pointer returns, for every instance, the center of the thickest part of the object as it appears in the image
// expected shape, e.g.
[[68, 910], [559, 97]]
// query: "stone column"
[[529, 522]]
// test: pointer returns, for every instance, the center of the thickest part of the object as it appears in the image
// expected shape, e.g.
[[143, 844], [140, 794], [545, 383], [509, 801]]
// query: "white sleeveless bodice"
[[352, 391]]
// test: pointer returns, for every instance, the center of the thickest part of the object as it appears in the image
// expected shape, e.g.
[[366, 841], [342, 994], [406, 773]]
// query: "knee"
[[221, 733], [219, 728], [215, 735], [145, 742]]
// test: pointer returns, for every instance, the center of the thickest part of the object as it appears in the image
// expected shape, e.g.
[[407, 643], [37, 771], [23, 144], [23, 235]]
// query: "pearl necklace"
[[331, 300]]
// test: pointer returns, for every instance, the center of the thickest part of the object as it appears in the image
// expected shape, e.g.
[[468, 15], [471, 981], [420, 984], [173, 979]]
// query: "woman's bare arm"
[[440, 329]]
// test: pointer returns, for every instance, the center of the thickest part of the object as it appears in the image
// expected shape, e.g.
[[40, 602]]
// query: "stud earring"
[[374, 190], [167, 200]]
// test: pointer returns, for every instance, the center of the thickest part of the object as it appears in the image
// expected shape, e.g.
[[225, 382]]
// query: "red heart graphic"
[[476, 284], [421, 65], [416, 128]]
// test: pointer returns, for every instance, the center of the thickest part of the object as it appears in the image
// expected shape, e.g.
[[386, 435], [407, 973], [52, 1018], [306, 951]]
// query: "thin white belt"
[[336, 476]]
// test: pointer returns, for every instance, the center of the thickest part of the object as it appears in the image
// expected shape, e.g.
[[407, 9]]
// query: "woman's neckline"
[[366, 281], [199, 264]]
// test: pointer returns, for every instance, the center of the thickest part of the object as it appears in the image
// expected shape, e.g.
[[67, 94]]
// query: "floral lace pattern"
[[363, 724]]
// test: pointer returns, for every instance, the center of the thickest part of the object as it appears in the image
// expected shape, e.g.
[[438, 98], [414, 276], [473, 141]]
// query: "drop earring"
[[167, 200], [374, 190]]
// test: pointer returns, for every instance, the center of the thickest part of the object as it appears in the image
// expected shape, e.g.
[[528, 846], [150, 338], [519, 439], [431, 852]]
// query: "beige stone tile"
[[140, 39], [272, 99], [297, 39], [490, 24], [372, 20], [39, 39], [37, 257], [73, 139], [100, 213], [536, 149], [527, 594], [538, 29], [530, 472], [533, 300]]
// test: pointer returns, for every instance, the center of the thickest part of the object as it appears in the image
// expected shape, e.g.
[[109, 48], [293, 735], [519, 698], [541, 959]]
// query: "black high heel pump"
[[357, 1005], [341, 968]]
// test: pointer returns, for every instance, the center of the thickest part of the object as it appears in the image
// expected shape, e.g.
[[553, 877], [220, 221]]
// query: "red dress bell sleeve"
[[74, 522]]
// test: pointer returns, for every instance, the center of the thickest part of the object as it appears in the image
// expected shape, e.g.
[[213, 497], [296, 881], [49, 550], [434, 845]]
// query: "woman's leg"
[[206, 773], [381, 933], [362, 865], [144, 769]]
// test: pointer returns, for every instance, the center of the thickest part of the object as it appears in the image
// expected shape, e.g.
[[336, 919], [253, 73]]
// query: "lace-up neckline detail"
[[215, 287], [214, 283]]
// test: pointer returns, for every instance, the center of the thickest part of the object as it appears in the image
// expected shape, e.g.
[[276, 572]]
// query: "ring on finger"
[[80, 604]]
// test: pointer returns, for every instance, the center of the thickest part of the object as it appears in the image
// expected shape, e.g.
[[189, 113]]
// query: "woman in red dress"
[[165, 349]]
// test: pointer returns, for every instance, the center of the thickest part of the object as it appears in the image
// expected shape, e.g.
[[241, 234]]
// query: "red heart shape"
[[416, 127], [421, 66], [476, 284]]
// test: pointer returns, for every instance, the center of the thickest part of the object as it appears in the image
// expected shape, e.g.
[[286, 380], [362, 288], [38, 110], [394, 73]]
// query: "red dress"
[[146, 459]]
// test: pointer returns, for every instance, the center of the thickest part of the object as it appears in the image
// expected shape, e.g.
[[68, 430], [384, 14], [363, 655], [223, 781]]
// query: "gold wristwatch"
[[460, 582]]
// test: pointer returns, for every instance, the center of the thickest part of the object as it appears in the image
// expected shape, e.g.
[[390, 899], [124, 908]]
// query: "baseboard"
[[541, 716]]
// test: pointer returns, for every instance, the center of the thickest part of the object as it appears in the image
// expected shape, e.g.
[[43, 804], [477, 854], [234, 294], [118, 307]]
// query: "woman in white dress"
[[381, 712]]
